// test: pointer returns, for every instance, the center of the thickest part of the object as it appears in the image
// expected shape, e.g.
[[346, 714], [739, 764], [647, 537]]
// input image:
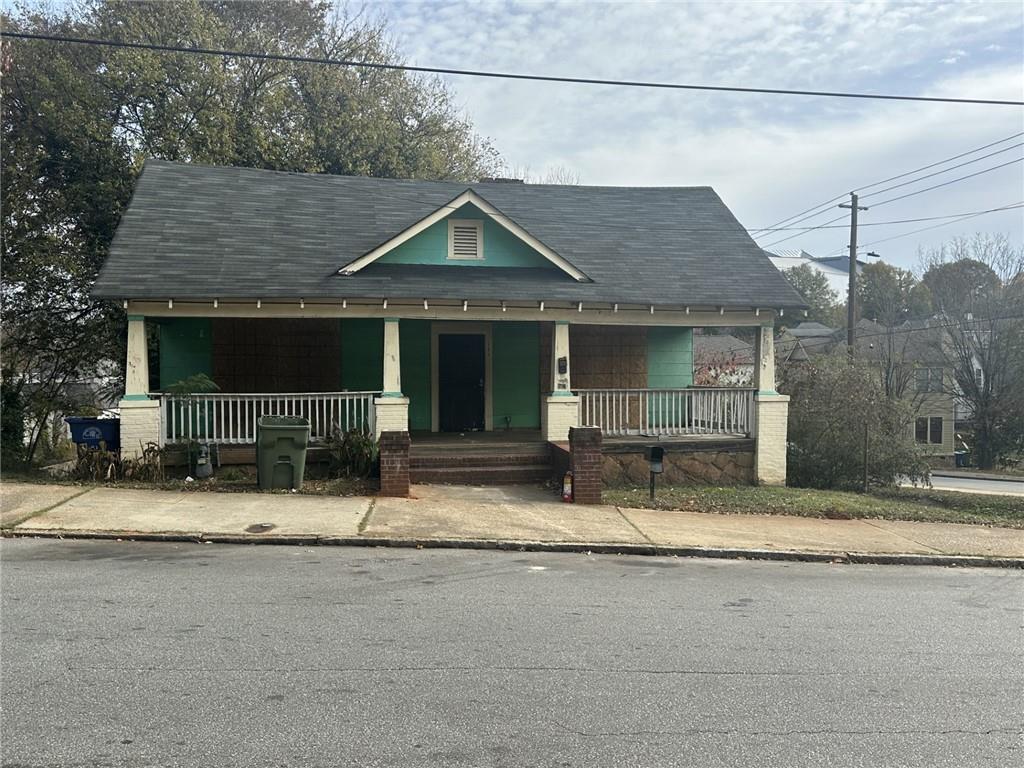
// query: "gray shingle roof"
[[194, 231]]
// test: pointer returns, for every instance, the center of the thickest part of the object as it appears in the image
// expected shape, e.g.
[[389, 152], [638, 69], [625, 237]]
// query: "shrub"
[[353, 453], [833, 402]]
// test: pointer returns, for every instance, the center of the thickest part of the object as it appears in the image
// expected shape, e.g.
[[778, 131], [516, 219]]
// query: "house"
[[836, 269], [722, 360], [910, 365], [801, 342], [445, 315]]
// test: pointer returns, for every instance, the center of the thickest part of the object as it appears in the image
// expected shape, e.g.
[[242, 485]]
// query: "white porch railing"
[[666, 412], [231, 418]]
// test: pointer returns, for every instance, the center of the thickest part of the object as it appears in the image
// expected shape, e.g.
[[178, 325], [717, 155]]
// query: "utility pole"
[[851, 299]]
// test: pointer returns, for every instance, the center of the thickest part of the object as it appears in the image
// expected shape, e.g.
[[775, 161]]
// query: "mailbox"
[[656, 456]]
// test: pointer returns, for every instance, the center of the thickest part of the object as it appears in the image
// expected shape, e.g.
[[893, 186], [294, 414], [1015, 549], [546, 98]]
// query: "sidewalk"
[[511, 517]]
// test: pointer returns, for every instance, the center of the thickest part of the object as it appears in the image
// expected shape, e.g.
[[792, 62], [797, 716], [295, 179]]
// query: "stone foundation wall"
[[726, 463]]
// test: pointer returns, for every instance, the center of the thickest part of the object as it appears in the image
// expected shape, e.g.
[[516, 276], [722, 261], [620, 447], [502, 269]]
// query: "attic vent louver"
[[465, 239]]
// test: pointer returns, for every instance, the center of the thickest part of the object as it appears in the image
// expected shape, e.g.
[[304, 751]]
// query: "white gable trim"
[[469, 196]]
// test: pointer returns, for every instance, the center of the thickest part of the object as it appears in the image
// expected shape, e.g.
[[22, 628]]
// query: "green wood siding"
[[185, 349], [362, 354], [414, 342], [669, 357], [516, 369], [501, 247]]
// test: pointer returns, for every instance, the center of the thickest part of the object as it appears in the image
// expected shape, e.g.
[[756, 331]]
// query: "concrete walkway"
[[507, 516]]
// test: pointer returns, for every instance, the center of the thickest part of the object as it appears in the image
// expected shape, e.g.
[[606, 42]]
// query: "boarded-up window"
[[278, 355]]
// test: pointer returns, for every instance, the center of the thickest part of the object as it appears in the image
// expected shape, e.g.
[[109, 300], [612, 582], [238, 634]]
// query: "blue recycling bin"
[[95, 433]]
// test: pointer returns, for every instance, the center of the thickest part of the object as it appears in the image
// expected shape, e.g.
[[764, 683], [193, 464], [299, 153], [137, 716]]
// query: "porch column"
[[391, 409], [140, 416], [136, 368], [771, 413], [764, 359], [561, 407]]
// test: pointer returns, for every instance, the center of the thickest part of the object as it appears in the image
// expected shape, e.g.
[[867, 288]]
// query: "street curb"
[[512, 545]]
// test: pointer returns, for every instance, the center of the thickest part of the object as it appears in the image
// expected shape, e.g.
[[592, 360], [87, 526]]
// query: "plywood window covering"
[[465, 239]]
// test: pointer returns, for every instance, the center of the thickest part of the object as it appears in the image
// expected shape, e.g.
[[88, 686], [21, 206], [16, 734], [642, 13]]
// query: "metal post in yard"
[[865, 457]]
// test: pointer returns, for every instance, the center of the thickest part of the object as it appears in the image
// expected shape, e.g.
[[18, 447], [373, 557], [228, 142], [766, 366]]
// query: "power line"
[[828, 203], [947, 183], [901, 197], [499, 75], [947, 170], [945, 223]]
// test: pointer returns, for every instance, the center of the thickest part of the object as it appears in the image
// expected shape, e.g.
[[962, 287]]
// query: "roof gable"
[[477, 204], [500, 248]]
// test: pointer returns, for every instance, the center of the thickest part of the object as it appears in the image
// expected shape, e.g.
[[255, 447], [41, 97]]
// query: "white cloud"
[[767, 156]]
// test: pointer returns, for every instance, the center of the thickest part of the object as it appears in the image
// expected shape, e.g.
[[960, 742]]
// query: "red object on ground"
[[567, 488]]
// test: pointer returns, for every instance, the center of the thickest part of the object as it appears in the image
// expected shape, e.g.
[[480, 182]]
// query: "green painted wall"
[[515, 367], [362, 354], [414, 341], [185, 349], [669, 357], [501, 247]]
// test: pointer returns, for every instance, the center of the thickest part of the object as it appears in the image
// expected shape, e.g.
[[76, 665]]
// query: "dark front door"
[[460, 381]]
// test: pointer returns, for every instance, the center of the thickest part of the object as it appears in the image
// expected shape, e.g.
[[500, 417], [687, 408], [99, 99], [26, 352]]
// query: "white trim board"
[[471, 329], [469, 196]]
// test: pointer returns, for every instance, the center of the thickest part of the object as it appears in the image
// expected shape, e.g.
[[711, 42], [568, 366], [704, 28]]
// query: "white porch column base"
[[391, 414], [140, 424], [770, 438], [560, 412]]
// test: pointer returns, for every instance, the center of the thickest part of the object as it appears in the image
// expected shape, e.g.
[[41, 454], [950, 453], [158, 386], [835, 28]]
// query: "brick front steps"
[[479, 464]]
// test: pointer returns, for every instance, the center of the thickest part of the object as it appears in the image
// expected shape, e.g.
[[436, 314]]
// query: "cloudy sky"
[[769, 157]]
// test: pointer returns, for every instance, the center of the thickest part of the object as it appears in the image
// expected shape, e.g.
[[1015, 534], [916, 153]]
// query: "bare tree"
[[977, 287]]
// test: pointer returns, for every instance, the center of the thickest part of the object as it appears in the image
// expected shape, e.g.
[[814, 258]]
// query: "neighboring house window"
[[928, 430], [465, 239], [928, 379]]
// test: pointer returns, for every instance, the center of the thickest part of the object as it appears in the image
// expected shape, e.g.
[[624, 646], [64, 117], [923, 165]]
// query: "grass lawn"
[[920, 504]]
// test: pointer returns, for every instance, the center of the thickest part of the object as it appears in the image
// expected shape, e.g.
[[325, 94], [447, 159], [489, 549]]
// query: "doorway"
[[461, 379]]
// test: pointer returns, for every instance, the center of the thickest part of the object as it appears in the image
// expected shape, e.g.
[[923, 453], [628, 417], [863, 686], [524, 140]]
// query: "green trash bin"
[[281, 443]]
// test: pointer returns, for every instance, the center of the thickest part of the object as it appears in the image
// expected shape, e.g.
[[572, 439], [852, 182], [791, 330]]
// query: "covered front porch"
[[499, 376]]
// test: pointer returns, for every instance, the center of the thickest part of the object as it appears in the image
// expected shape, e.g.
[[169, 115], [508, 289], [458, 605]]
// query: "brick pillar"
[[394, 463], [585, 445], [770, 436]]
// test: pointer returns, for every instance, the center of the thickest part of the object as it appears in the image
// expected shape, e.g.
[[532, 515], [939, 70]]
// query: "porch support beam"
[[140, 416], [771, 415], [392, 359], [561, 407], [764, 359], [391, 409], [560, 376], [136, 369]]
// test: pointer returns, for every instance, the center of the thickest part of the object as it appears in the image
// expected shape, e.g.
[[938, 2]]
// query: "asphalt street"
[[151, 654], [978, 485]]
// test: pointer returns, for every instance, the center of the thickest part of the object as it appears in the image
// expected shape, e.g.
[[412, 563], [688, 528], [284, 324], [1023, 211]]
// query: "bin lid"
[[287, 422]]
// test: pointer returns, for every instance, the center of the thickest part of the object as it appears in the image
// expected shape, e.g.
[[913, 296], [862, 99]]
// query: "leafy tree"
[[79, 120], [889, 295], [812, 285], [832, 404], [977, 286]]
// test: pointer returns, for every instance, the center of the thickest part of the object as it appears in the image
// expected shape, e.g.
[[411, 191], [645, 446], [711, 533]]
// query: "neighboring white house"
[[836, 269]]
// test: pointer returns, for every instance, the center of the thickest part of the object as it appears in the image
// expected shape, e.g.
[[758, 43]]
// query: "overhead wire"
[[827, 204], [495, 74]]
